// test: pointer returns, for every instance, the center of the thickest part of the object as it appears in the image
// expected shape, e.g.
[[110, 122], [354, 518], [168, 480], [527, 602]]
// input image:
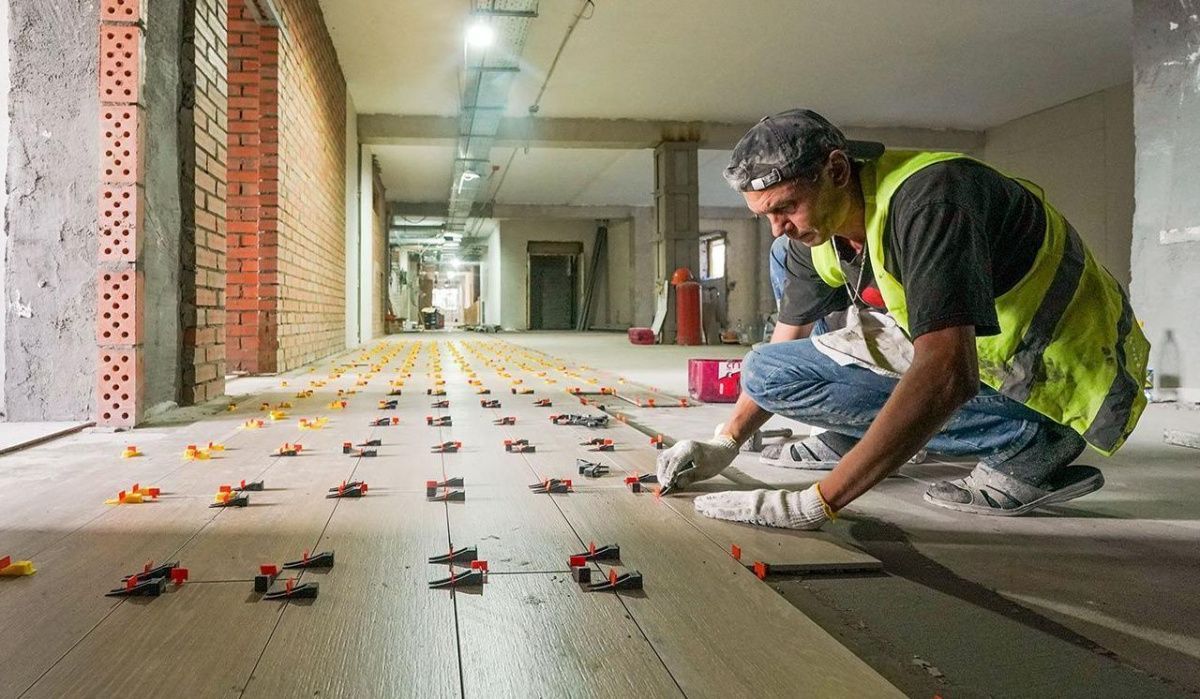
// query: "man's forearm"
[[747, 418], [927, 395]]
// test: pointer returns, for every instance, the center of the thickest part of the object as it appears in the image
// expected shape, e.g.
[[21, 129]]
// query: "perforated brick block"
[[120, 155], [119, 382], [121, 219], [120, 10], [120, 63], [119, 308]]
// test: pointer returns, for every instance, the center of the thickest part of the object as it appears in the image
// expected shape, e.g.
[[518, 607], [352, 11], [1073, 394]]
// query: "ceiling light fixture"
[[480, 35], [470, 176]]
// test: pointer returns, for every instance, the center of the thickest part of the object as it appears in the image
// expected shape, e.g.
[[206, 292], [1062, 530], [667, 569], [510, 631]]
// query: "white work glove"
[[787, 509], [707, 459]]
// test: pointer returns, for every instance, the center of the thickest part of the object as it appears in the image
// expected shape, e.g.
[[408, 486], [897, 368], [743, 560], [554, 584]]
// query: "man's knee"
[[754, 374], [776, 367]]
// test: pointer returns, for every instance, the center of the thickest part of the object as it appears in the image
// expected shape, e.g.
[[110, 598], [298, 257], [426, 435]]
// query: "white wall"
[[515, 234], [4, 87], [618, 306], [1082, 153], [491, 274], [363, 299], [744, 263], [352, 222], [644, 264]]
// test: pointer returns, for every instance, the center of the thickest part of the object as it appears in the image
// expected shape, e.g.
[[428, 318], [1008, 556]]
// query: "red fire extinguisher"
[[688, 325]]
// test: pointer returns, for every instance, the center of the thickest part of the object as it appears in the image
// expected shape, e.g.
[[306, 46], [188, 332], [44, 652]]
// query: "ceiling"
[[937, 63], [549, 176], [968, 64]]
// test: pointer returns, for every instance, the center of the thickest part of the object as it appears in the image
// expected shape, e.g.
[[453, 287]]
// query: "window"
[[712, 256]]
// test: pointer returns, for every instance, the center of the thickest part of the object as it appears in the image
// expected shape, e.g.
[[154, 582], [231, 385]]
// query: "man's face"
[[806, 210]]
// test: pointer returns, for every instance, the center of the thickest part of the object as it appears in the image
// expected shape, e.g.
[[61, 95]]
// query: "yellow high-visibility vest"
[[1069, 345]]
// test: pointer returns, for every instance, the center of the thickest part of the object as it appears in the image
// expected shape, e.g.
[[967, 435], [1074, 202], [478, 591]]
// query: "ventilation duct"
[[488, 70]]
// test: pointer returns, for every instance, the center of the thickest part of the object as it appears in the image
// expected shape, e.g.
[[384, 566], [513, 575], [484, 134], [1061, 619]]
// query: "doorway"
[[553, 280]]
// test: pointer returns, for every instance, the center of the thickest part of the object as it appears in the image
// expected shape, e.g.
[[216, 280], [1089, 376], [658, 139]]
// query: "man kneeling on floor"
[[926, 301]]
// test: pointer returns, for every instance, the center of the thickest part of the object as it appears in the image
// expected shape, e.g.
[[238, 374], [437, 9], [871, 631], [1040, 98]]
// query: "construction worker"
[[926, 301]]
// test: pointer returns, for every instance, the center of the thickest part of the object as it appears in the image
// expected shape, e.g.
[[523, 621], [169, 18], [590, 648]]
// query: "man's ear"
[[839, 168]]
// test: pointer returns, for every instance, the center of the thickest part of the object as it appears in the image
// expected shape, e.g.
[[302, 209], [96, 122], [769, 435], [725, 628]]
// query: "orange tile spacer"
[[760, 570], [735, 551]]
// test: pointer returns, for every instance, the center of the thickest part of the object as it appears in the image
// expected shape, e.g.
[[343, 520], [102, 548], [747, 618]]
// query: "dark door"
[[552, 292]]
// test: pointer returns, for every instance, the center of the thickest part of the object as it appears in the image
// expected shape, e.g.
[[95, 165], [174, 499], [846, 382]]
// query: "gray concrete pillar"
[[51, 238], [1166, 239], [677, 215]]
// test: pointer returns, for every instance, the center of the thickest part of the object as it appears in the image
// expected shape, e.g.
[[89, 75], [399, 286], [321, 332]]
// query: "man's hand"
[[691, 460], [789, 509]]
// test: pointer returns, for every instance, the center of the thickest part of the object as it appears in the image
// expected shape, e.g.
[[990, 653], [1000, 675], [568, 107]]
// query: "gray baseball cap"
[[786, 146]]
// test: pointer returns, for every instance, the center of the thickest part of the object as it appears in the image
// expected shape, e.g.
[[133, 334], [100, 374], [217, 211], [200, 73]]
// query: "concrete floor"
[[20, 435], [1102, 589]]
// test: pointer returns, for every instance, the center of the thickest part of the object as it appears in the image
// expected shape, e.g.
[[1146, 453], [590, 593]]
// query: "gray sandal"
[[810, 453], [815, 453], [990, 492]]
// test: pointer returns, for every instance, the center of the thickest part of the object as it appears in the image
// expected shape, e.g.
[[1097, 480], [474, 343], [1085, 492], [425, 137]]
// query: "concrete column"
[[161, 96], [352, 234], [677, 214], [645, 265], [1166, 237], [366, 261], [51, 221], [4, 88]]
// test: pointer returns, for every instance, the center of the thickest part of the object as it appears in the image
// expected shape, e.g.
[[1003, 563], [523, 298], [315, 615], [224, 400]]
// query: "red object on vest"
[[872, 296]]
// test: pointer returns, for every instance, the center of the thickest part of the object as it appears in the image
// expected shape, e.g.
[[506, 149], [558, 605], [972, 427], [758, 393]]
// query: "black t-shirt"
[[959, 234]]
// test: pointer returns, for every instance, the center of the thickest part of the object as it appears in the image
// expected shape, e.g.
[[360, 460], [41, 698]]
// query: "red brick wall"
[[204, 155], [312, 185], [251, 284]]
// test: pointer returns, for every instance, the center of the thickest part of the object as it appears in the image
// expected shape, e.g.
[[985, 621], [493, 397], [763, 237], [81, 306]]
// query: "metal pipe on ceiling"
[[485, 80]]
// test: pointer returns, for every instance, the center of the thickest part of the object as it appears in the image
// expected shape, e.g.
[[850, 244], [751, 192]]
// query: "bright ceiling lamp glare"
[[456, 263], [470, 176], [480, 35]]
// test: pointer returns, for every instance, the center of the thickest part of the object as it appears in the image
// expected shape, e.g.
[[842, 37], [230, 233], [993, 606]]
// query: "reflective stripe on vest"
[[1069, 346]]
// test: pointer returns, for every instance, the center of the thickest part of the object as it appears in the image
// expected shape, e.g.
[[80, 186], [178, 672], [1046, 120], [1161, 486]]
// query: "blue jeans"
[[795, 380]]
